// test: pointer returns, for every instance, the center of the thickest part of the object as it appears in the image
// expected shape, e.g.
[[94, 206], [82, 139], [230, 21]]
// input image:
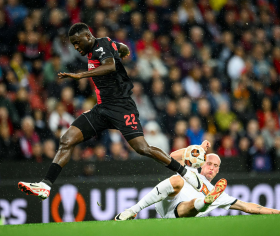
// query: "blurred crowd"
[[201, 70]]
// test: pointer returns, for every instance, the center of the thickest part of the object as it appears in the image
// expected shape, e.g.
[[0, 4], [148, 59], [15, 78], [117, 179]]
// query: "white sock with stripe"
[[160, 192]]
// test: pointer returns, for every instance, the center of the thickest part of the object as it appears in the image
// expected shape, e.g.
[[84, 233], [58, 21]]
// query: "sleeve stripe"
[[234, 201]]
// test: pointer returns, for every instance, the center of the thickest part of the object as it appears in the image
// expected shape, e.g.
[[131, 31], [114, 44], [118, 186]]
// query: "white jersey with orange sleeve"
[[166, 207]]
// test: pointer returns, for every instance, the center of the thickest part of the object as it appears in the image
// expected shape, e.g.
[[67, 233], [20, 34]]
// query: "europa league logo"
[[68, 195]]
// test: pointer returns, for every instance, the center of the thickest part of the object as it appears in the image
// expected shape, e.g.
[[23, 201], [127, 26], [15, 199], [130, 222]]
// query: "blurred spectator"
[[19, 69], [5, 120], [177, 91], [64, 48], [73, 10], [184, 106], [235, 66], [171, 116], [187, 61], [148, 62], [37, 152], [197, 37], [9, 146], [88, 12], [41, 126], [276, 59], [187, 9], [158, 96], [52, 68], [274, 152], [227, 148], [253, 131], [67, 98], [135, 30], [266, 113], [269, 133], [224, 117], [192, 84], [261, 65], [243, 152], [205, 116], [28, 137], [99, 153], [117, 152], [195, 132], [215, 95], [5, 102], [60, 120], [261, 161], [22, 103], [16, 11], [178, 143], [155, 137], [143, 103]]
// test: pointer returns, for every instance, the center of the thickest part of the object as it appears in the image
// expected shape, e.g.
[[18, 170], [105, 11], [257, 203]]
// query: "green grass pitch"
[[263, 225]]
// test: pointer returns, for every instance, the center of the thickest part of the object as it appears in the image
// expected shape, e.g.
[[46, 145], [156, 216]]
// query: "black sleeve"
[[106, 49]]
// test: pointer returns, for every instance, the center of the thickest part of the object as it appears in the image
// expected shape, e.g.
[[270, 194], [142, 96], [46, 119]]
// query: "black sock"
[[177, 167], [52, 174]]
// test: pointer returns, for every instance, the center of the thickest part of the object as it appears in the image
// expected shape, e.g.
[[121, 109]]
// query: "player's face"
[[81, 42], [211, 167]]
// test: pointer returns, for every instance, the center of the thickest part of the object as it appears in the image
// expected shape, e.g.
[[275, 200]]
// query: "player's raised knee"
[[177, 182]]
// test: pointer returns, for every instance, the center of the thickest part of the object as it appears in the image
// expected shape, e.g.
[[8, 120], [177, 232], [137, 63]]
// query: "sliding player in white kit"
[[175, 198]]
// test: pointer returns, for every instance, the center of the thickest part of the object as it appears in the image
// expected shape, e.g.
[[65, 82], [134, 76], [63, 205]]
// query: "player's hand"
[[205, 145], [68, 75]]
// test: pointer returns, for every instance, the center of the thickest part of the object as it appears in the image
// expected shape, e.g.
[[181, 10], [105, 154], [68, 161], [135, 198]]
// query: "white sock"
[[200, 205], [160, 192]]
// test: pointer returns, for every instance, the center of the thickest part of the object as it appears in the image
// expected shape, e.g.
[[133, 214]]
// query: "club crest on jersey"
[[100, 50]]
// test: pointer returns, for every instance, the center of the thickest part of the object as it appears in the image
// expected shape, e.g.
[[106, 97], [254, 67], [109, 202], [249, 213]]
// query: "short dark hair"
[[77, 28]]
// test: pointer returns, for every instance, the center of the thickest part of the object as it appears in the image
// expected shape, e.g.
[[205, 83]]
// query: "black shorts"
[[122, 116]]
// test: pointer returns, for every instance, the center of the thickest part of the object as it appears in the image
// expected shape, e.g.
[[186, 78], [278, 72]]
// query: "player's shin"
[[159, 193]]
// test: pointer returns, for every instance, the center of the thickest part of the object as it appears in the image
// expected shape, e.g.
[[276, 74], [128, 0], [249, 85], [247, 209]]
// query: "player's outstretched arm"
[[107, 67], [253, 208], [123, 50], [178, 154]]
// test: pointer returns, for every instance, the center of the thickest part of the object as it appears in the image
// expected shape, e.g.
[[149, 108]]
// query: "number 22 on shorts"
[[127, 120]]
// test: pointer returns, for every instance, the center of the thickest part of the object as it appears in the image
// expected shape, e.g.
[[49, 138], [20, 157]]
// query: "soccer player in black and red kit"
[[115, 110]]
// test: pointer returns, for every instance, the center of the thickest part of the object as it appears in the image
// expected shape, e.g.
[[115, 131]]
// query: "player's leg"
[[193, 207], [140, 145], [80, 130], [167, 188]]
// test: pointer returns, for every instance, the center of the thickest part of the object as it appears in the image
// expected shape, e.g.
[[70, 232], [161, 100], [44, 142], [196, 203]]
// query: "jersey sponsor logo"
[[205, 190], [93, 64]]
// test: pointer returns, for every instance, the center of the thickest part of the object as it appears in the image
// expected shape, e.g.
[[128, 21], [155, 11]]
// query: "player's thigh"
[[71, 137], [186, 209], [91, 123], [125, 118]]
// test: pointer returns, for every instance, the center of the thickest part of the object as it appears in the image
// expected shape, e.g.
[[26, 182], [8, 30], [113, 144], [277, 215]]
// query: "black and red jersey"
[[112, 87]]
